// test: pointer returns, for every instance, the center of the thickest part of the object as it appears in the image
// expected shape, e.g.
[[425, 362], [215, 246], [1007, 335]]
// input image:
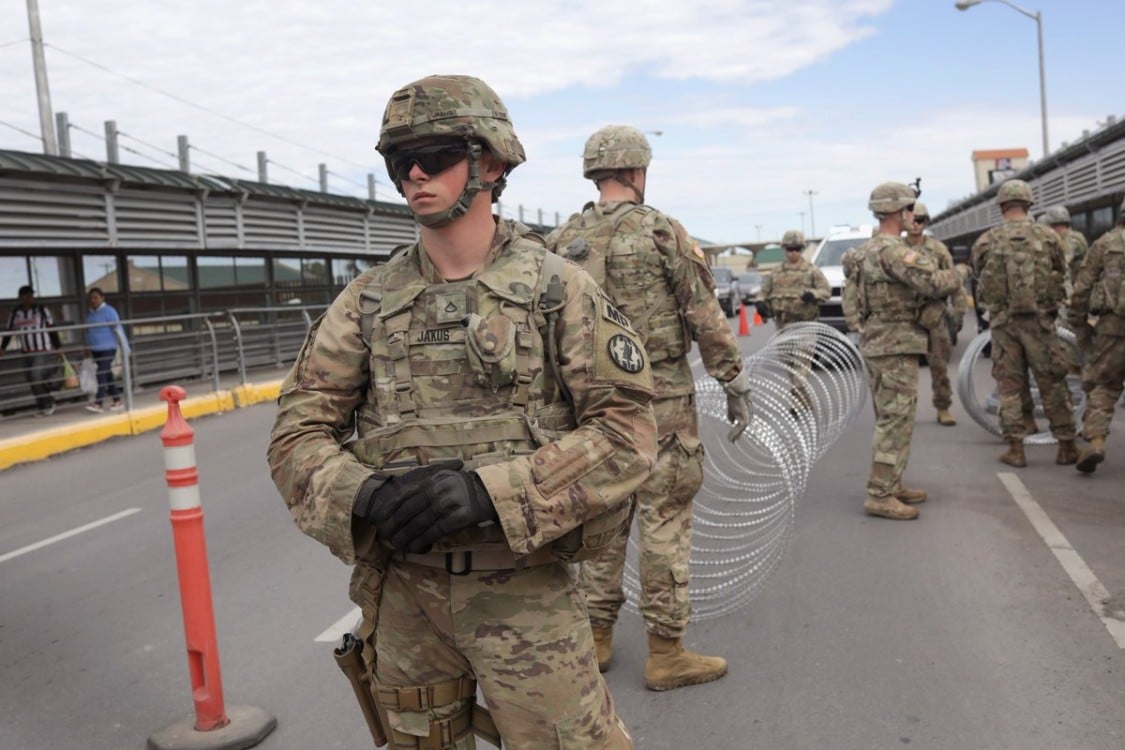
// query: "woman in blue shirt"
[[101, 343]]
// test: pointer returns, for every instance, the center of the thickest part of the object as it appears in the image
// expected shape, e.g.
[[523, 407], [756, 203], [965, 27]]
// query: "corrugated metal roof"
[[22, 162]]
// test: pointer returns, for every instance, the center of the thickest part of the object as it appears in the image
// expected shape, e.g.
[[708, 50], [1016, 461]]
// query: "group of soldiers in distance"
[[475, 425], [1030, 276]]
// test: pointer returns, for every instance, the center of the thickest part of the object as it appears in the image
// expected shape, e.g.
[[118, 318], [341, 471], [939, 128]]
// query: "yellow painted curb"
[[44, 443]]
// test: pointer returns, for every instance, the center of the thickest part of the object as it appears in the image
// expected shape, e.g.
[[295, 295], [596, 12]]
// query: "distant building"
[[996, 165]]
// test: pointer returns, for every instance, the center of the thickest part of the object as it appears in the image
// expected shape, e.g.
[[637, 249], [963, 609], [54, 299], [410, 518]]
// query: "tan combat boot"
[[889, 507], [1067, 453], [1092, 455], [603, 642], [911, 496], [945, 418], [670, 665], [1014, 456]]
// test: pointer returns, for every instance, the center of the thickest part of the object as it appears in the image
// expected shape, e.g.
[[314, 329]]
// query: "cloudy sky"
[[758, 101]]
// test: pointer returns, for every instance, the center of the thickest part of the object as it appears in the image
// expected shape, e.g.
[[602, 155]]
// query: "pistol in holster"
[[349, 658]]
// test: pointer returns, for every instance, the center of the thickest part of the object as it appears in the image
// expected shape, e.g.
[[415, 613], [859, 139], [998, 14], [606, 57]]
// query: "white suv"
[[827, 257]]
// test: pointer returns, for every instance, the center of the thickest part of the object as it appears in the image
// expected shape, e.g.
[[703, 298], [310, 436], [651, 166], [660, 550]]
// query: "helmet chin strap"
[[619, 176], [473, 185]]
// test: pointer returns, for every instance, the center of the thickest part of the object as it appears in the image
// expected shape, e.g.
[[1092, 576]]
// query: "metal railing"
[[164, 349]]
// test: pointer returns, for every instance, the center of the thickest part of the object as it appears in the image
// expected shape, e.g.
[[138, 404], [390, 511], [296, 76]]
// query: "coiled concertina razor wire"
[[808, 385]]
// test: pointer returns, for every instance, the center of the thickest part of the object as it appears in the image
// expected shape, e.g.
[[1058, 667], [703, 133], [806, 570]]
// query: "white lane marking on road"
[[67, 534], [336, 631], [1075, 567]]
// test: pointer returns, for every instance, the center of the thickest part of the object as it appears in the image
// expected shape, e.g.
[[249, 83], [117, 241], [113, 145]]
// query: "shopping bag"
[[88, 376], [70, 377]]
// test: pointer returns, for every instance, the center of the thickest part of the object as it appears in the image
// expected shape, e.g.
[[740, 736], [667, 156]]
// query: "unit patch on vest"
[[625, 353]]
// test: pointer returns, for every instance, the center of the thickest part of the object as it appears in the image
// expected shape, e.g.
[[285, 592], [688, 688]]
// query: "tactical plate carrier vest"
[[1108, 294], [880, 295], [457, 372], [630, 272], [1019, 276]]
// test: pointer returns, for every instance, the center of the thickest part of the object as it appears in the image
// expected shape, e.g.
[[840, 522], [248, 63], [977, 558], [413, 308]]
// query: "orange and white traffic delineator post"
[[743, 323], [214, 727]]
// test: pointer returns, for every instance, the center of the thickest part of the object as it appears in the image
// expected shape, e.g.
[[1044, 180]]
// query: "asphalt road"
[[959, 630]]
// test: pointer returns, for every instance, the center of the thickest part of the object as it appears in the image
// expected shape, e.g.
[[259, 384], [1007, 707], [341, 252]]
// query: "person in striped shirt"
[[38, 346]]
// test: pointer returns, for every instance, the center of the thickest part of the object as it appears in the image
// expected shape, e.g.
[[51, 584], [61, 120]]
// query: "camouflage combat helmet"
[[456, 107], [615, 147], [891, 197], [1014, 191], [921, 210], [1055, 215], [793, 238]]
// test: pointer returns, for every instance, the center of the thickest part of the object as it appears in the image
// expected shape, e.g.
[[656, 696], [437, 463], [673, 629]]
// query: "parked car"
[[750, 283], [828, 258], [727, 290]]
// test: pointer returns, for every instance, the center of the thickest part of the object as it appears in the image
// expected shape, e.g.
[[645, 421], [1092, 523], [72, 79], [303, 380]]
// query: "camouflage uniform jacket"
[[1099, 288], [1075, 248], [657, 276], [782, 291], [459, 370], [958, 302], [1020, 270], [892, 284]]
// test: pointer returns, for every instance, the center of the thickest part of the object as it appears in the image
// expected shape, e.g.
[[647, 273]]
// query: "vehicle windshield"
[[750, 276], [833, 251], [721, 274]]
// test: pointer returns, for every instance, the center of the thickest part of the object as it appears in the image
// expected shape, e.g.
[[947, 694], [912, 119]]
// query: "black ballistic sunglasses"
[[430, 159]]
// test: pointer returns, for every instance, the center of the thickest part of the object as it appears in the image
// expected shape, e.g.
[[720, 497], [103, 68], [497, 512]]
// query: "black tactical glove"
[[808, 298], [447, 501], [762, 308], [381, 495]]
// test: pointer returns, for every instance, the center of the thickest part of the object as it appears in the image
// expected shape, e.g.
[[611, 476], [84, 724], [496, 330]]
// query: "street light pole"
[[759, 228], [812, 218], [1038, 18], [42, 91]]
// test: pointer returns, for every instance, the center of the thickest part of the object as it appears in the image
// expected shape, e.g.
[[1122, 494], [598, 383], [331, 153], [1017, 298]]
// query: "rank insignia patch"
[[625, 353]]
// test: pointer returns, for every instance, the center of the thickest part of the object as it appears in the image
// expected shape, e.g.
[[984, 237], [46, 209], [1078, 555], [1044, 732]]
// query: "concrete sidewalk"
[[27, 436]]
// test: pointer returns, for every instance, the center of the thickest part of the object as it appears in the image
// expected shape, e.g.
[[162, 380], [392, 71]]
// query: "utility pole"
[[42, 90], [812, 218], [759, 228]]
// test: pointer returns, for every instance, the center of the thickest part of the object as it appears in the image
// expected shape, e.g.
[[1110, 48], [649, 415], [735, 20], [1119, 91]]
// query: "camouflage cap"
[[793, 238], [891, 197], [1014, 191], [1055, 215], [920, 210], [615, 147], [450, 106]]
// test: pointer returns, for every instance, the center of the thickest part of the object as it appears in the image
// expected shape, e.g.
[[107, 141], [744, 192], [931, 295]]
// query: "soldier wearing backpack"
[[1021, 270]]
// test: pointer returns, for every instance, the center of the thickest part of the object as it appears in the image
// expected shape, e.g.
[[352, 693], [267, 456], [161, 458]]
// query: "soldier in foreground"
[[1021, 271], [940, 317], [461, 424], [792, 294], [892, 283], [1099, 289], [656, 275]]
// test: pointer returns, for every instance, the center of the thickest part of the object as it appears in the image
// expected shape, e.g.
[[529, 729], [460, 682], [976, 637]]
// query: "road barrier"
[[214, 727]]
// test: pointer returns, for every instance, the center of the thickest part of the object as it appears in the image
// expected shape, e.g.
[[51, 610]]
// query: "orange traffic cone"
[[743, 324], [758, 318]]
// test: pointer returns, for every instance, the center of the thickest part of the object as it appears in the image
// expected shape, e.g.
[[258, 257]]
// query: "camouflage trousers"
[[938, 353], [894, 393], [662, 509], [1029, 343], [1105, 374], [523, 635], [797, 358]]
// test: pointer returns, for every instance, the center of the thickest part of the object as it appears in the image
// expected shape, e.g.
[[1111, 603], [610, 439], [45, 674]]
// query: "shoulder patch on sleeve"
[[611, 313], [625, 353]]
